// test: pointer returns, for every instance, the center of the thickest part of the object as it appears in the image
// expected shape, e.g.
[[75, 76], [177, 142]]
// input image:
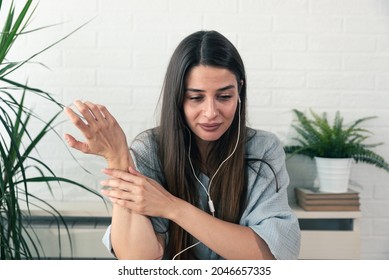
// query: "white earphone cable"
[[210, 202], [187, 248]]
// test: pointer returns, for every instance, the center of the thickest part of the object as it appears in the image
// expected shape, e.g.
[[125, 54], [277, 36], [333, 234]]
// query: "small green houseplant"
[[20, 167], [321, 140]]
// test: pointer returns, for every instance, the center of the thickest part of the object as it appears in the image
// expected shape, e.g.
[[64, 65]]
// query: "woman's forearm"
[[231, 241], [133, 236], [145, 196]]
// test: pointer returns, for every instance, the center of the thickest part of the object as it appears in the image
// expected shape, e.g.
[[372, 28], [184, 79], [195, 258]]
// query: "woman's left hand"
[[136, 192]]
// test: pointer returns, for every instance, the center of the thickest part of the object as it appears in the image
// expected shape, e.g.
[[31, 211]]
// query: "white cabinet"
[[329, 234]]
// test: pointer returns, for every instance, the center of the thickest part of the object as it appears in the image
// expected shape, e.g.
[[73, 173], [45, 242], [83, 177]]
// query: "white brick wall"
[[325, 54]]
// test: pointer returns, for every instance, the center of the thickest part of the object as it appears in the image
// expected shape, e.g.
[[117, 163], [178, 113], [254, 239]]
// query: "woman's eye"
[[225, 97], [195, 98]]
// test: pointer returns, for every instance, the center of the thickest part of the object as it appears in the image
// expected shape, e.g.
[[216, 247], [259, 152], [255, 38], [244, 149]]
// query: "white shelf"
[[302, 214]]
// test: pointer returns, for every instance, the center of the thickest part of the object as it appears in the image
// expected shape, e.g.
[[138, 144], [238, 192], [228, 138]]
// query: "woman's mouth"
[[209, 127]]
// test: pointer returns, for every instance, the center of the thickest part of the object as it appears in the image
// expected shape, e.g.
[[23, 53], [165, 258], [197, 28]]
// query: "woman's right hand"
[[104, 136]]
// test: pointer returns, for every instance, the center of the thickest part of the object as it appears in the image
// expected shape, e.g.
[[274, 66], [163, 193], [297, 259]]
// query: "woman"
[[201, 185]]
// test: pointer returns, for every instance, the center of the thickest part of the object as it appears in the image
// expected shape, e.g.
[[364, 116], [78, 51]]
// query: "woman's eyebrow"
[[226, 88], [194, 90], [201, 90]]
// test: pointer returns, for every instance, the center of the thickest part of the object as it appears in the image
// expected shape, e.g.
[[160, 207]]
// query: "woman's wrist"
[[120, 210], [176, 209], [120, 162]]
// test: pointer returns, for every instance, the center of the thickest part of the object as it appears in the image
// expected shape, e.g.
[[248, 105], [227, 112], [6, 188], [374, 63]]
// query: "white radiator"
[[85, 235]]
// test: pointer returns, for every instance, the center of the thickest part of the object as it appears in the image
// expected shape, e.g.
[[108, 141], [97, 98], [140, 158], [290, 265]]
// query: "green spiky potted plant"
[[334, 147], [20, 167]]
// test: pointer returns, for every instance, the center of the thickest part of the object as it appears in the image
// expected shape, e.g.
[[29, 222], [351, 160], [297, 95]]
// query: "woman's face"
[[210, 102]]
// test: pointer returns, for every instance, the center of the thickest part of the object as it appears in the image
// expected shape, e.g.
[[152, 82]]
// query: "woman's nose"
[[210, 110]]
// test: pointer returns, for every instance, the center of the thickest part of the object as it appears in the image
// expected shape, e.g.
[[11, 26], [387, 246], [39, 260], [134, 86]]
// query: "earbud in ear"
[[239, 100]]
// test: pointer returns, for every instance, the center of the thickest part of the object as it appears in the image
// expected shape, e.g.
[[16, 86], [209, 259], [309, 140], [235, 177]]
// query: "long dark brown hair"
[[208, 48]]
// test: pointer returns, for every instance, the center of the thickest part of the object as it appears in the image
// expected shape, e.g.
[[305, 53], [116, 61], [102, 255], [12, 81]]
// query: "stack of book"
[[313, 200]]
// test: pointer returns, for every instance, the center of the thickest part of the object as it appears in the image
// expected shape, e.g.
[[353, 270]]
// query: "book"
[[351, 201], [329, 207], [314, 194], [313, 200]]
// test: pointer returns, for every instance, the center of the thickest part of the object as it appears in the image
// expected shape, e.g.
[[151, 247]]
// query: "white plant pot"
[[333, 174]]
